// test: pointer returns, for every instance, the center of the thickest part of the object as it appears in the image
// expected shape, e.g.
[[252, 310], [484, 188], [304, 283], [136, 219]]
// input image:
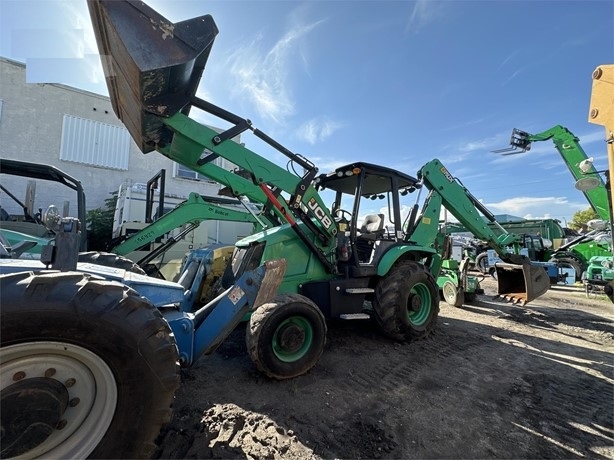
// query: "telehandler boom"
[[577, 253], [572, 153]]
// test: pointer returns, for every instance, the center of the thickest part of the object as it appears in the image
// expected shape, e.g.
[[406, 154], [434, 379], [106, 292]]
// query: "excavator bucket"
[[521, 283], [152, 66]]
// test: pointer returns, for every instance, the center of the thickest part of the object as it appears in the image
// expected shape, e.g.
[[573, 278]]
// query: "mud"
[[495, 381]]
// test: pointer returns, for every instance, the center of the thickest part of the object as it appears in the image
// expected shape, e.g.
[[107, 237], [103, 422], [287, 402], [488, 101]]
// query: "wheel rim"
[[69, 369], [292, 339], [419, 304], [449, 291]]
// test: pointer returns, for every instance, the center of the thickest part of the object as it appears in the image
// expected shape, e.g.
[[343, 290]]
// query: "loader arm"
[[153, 68], [192, 211], [518, 280], [568, 146]]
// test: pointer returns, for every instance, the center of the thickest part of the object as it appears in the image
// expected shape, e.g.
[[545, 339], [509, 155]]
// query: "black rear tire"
[[286, 337], [573, 262], [108, 259], [115, 347], [406, 302]]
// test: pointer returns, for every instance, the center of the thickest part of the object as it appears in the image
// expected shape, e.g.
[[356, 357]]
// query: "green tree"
[[580, 218], [100, 224]]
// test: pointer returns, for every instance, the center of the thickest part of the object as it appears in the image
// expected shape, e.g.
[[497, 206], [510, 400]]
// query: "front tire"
[[97, 357], [286, 337], [406, 302]]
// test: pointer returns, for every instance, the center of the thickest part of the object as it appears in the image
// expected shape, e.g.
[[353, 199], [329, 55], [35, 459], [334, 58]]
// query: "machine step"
[[359, 290], [354, 316]]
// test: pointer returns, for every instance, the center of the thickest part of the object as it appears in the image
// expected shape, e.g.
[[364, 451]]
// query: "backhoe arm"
[[447, 190], [517, 279], [192, 211]]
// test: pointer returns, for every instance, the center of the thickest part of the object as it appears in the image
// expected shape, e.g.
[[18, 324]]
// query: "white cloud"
[[487, 143], [512, 76], [537, 207], [327, 165], [508, 59], [318, 129], [262, 76], [423, 13]]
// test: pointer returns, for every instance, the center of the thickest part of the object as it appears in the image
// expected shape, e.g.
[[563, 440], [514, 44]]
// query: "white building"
[[76, 131]]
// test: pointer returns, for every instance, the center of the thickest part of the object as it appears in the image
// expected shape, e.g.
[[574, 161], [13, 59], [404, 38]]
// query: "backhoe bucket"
[[521, 283], [152, 66]]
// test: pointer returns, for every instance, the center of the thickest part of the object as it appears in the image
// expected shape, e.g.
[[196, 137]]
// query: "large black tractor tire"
[[481, 263], [108, 259], [98, 363], [406, 302], [286, 337], [571, 261]]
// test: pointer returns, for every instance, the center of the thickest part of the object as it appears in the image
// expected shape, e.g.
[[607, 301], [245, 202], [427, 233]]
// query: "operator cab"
[[367, 210]]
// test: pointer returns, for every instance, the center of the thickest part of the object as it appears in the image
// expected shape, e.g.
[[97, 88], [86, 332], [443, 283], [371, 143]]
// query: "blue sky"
[[391, 82]]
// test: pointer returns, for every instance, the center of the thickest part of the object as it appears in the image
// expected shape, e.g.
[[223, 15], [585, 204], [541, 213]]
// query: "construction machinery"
[[31, 225], [579, 164], [156, 229], [332, 272], [543, 241], [91, 353], [25, 235], [601, 112], [108, 397], [577, 253], [67, 390]]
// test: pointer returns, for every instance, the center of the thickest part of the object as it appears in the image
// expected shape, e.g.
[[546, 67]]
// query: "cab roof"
[[377, 179]]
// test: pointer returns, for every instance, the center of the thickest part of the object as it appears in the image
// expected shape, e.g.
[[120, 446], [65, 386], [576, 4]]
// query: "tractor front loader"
[[90, 354]]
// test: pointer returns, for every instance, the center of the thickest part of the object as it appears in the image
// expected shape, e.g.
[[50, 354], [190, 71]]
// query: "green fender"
[[396, 252]]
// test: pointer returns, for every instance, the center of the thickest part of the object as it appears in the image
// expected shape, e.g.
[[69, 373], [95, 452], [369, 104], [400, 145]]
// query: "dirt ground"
[[495, 381]]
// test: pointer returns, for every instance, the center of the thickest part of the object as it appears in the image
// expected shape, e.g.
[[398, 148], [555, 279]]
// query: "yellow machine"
[[601, 112]]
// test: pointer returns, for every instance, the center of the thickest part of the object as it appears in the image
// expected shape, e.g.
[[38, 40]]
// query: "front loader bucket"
[[521, 283], [151, 65]]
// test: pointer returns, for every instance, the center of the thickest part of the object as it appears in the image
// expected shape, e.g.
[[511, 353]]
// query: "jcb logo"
[[447, 174], [319, 213]]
